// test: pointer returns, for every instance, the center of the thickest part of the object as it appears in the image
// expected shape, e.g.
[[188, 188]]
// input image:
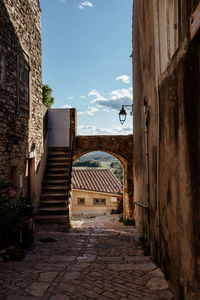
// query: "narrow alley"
[[99, 258]]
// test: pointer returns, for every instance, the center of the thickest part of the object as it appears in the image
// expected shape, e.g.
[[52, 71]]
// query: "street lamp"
[[122, 113]]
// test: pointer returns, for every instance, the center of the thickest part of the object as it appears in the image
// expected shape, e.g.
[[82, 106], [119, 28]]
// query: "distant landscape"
[[99, 159]]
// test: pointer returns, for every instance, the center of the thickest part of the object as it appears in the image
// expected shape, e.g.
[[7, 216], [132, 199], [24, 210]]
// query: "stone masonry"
[[99, 258], [121, 147], [21, 107]]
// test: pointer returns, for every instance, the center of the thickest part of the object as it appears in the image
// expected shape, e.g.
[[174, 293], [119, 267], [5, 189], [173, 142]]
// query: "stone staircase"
[[56, 184]]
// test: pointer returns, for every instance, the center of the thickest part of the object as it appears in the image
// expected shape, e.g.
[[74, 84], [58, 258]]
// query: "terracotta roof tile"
[[98, 180]]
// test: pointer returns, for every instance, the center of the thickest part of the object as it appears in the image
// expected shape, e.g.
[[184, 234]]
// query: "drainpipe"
[[158, 167], [147, 114], [157, 72]]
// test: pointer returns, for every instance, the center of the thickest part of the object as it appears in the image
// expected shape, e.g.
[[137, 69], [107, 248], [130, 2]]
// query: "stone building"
[[22, 136], [166, 77], [94, 191]]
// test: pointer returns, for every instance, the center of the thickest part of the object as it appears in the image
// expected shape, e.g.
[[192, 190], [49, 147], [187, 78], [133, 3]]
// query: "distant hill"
[[98, 155], [100, 159]]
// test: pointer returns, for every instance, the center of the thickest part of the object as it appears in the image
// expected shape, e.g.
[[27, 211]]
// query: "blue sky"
[[86, 47]]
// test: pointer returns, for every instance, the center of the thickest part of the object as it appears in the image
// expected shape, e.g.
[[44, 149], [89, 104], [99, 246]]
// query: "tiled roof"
[[98, 180]]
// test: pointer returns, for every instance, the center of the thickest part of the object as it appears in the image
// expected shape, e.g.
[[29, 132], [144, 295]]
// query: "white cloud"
[[124, 78], [82, 97], [85, 4], [114, 100], [66, 106], [93, 130], [95, 93], [90, 112], [62, 1], [70, 97]]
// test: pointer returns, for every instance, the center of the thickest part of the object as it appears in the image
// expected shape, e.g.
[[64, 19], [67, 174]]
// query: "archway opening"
[[97, 186]]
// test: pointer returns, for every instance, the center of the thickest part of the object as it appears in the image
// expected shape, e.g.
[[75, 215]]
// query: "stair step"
[[66, 149], [55, 162], [57, 159], [57, 165], [52, 171], [55, 182], [55, 177], [57, 155], [53, 210], [53, 190], [53, 219], [54, 196], [53, 203], [56, 188]]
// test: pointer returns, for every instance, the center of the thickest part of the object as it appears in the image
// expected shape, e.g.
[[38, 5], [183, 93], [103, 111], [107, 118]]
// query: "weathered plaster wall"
[[119, 146], [178, 240], [89, 208], [21, 109], [180, 172], [145, 129]]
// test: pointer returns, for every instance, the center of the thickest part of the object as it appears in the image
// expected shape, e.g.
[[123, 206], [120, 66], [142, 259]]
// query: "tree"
[[88, 163], [48, 100]]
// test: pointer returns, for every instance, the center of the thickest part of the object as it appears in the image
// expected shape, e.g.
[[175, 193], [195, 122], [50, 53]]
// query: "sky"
[[86, 48]]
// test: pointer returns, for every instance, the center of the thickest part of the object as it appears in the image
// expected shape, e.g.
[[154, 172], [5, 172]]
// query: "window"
[[81, 201], [173, 26], [167, 14], [162, 34], [99, 201]]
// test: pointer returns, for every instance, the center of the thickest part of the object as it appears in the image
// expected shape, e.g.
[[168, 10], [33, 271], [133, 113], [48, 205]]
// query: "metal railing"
[[70, 165]]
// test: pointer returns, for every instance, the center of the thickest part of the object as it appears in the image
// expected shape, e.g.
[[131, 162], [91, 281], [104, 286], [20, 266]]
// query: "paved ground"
[[98, 259]]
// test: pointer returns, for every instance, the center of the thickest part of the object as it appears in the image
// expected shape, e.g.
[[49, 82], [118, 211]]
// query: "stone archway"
[[119, 146]]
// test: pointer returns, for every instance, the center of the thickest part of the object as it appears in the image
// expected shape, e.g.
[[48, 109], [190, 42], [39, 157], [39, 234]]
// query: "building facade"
[[166, 76], [94, 191], [22, 113]]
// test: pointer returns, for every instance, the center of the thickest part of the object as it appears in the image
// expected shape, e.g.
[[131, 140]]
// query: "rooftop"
[[98, 180]]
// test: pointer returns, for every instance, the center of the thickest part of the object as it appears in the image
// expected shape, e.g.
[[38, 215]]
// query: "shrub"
[[48, 100], [127, 222], [14, 217]]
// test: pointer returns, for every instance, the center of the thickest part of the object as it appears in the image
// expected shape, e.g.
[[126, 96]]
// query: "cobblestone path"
[[98, 259]]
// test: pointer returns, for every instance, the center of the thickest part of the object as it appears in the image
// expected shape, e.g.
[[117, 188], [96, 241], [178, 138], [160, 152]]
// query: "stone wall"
[[119, 146], [21, 107], [167, 183]]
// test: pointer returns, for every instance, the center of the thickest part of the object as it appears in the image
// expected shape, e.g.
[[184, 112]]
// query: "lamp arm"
[[130, 106]]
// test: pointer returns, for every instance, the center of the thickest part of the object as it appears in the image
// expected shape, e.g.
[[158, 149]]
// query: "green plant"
[[88, 163], [48, 100], [4, 188], [145, 247], [121, 219], [129, 222], [119, 209], [113, 211], [14, 217]]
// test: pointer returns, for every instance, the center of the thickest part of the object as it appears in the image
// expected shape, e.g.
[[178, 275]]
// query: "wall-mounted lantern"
[[123, 114]]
